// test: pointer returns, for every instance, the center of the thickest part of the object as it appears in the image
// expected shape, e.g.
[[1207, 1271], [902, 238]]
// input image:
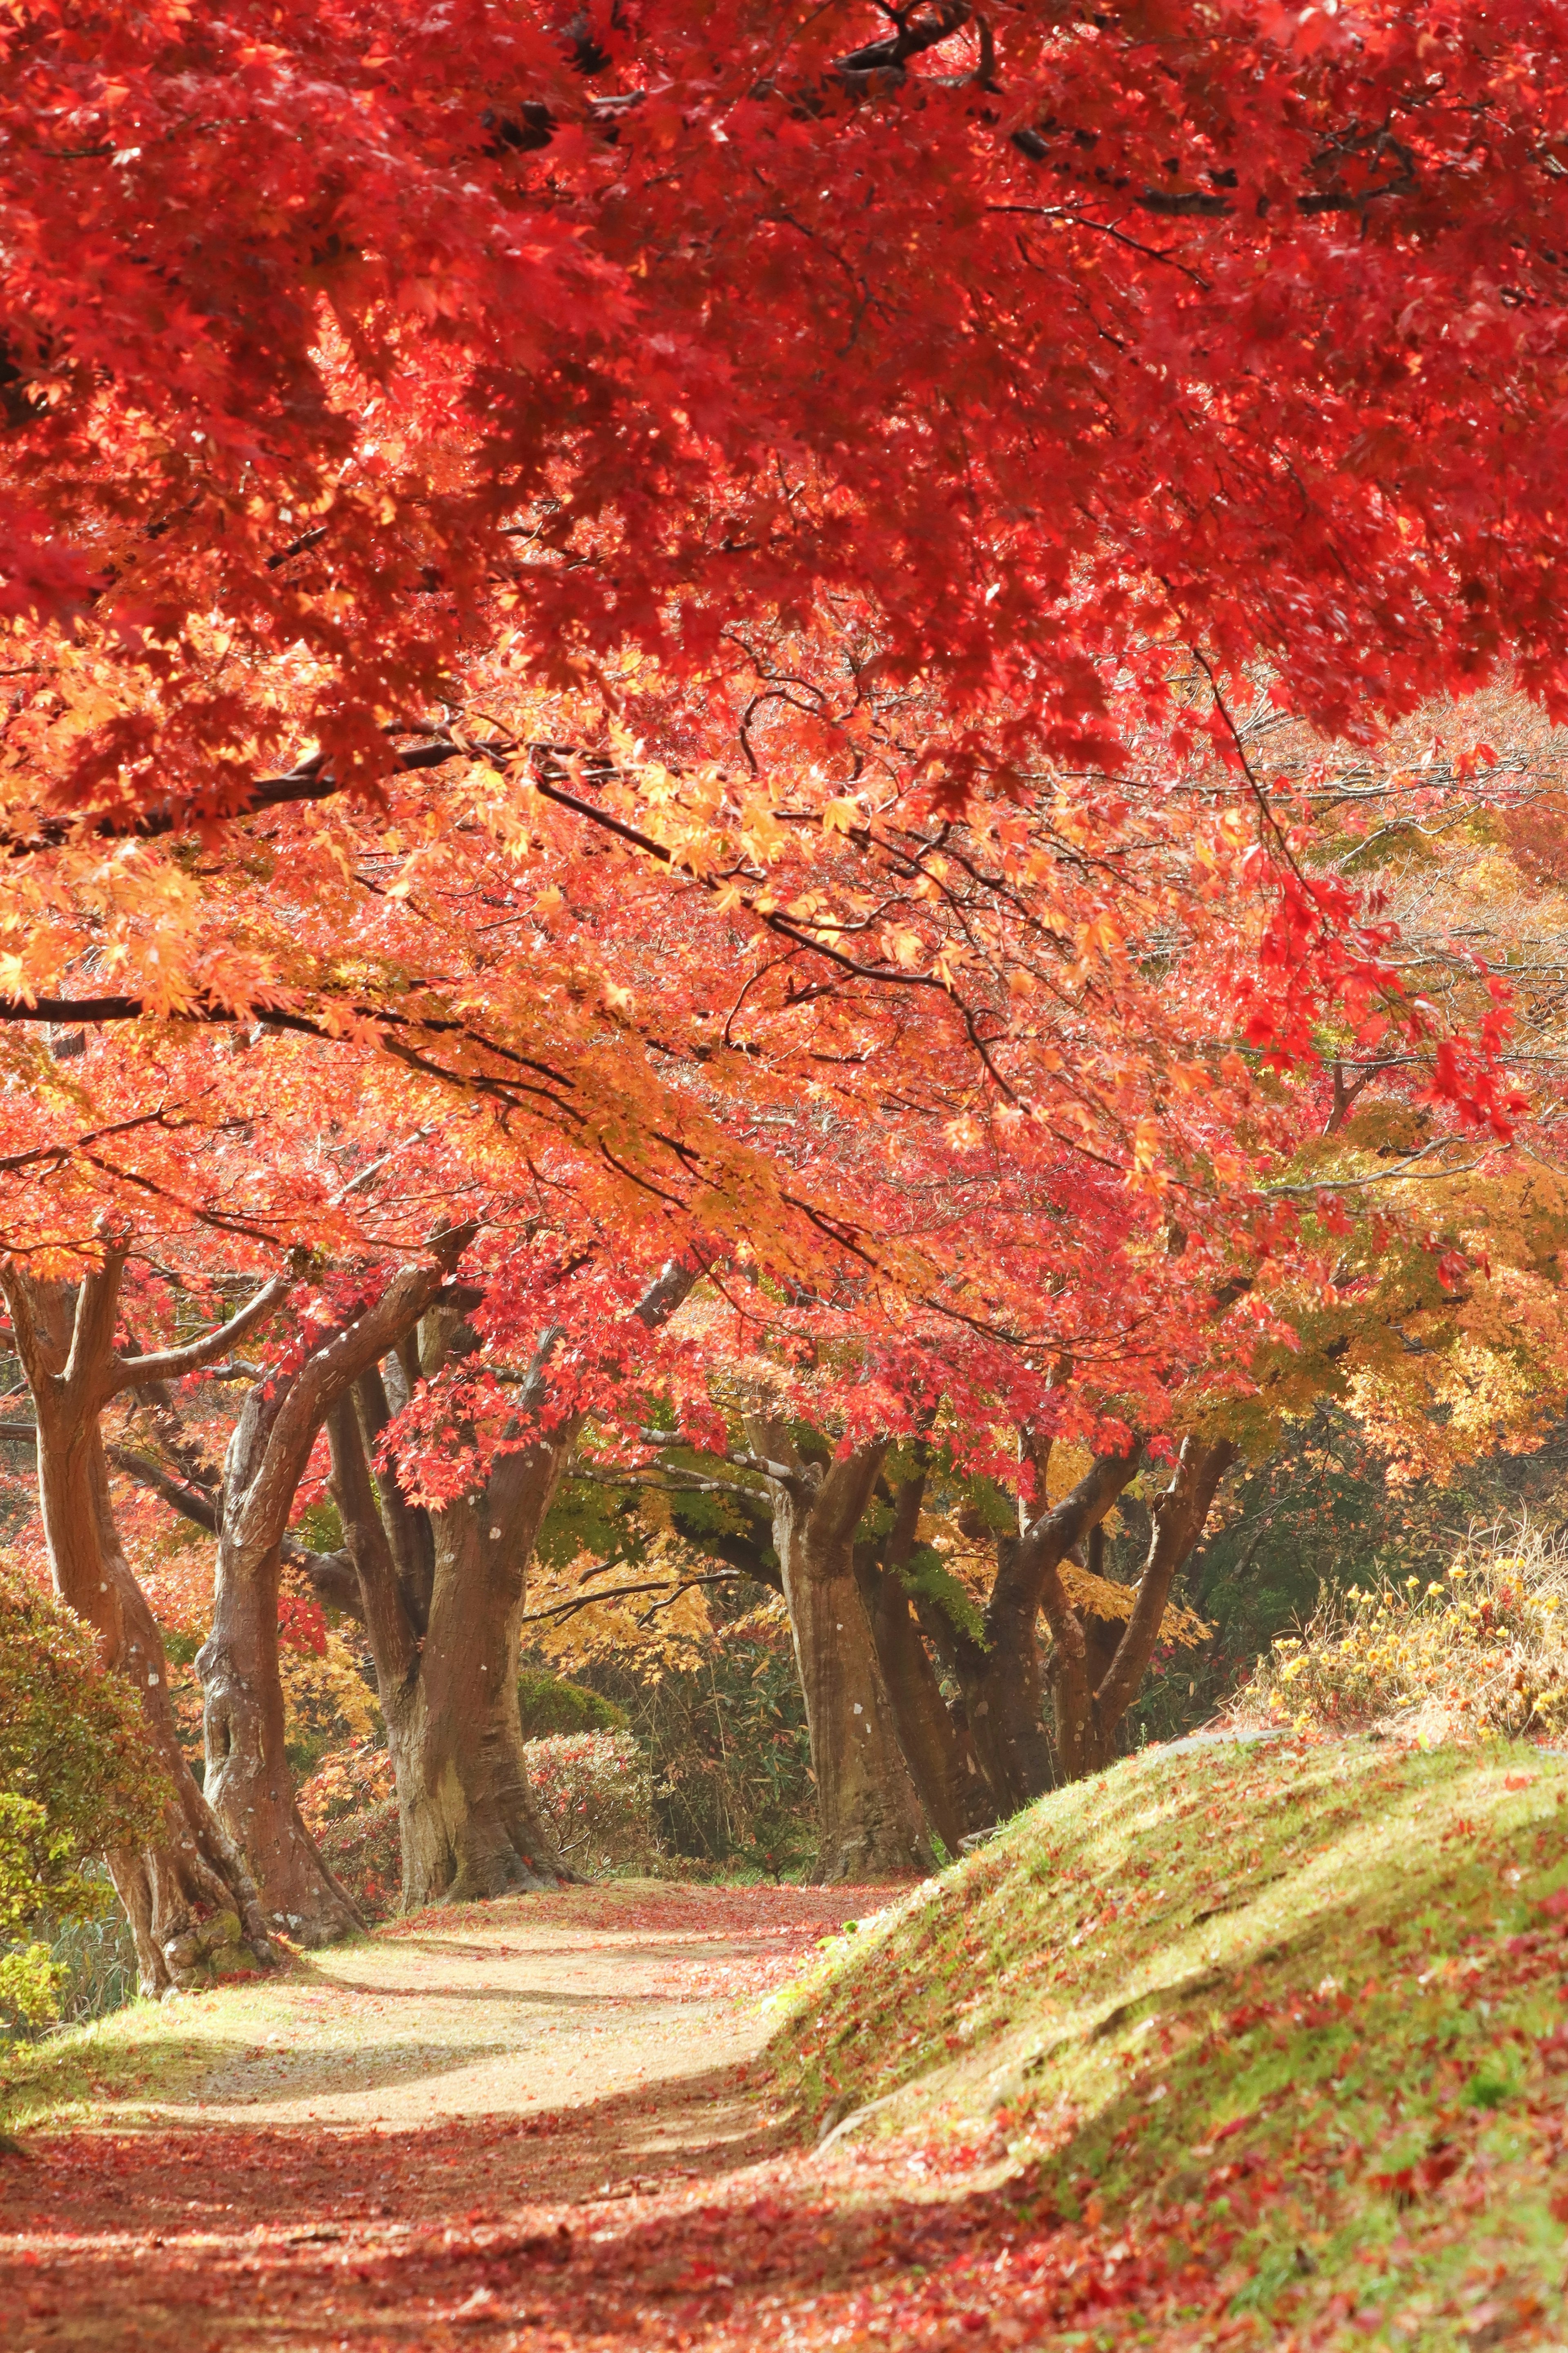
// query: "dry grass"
[[1481, 1653]]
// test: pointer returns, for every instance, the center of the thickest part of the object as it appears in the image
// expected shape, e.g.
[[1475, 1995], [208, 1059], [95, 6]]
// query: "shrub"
[[94, 1961], [325, 1696], [550, 1706], [595, 1792], [349, 1808], [346, 1783], [1481, 1652], [365, 1850], [79, 1775], [730, 1748]]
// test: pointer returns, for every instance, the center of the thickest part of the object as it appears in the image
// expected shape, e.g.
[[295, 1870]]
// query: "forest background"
[[782, 907]]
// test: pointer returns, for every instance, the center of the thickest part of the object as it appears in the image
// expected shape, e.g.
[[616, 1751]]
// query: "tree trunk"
[[937, 1748], [444, 1595], [936, 1744], [1089, 1714], [873, 1826], [248, 1779], [480, 1833], [1003, 1675], [190, 1900]]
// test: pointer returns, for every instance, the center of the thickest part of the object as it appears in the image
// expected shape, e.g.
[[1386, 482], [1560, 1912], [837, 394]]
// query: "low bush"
[[727, 1736], [550, 1706], [94, 1960], [78, 1776], [1481, 1652], [349, 1808], [365, 1851], [596, 1794], [345, 1784]]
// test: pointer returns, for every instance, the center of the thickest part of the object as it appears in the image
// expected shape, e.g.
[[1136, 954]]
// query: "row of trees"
[[488, 1308], [670, 812]]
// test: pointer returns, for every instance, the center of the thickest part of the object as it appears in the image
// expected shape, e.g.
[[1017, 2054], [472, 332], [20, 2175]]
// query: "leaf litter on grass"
[[1261, 2048]]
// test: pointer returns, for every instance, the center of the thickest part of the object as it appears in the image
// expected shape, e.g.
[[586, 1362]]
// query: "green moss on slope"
[[1299, 2011]]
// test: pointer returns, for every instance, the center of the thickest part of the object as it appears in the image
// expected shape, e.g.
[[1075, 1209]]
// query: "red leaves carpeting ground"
[[680, 2209], [512, 2230], [479, 2236], [533, 2232]]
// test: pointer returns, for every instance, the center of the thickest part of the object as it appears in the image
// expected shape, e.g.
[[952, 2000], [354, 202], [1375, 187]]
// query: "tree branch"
[[620, 1592], [394, 1637], [191, 1502], [1179, 1518], [174, 1364], [1031, 1578], [92, 1357], [285, 1444]]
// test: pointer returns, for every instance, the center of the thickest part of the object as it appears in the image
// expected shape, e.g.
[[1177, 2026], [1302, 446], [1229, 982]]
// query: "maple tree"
[[540, 332], [594, 318], [765, 558], [1130, 1123], [192, 1876], [248, 1781], [442, 1589], [1431, 1301]]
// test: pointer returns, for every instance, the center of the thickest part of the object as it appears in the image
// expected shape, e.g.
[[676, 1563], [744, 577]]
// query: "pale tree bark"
[[444, 1594], [247, 1776], [872, 1822], [189, 1896]]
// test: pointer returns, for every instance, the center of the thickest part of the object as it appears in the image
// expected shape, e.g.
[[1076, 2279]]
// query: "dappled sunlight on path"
[[530, 2120]]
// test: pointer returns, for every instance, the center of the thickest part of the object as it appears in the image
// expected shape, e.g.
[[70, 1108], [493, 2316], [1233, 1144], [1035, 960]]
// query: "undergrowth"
[[1483, 1650], [1284, 2024]]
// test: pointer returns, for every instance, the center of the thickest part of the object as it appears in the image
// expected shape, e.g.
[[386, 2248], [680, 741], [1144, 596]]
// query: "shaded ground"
[[526, 2123], [1263, 2048]]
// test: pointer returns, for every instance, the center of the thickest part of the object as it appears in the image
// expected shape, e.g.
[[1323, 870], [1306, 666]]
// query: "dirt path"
[[527, 2125], [521, 2008]]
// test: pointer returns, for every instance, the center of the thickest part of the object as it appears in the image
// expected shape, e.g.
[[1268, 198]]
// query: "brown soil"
[[534, 2119]]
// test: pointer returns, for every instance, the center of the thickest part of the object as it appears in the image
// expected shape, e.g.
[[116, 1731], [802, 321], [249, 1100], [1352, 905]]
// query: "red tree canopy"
[[1041, 341]]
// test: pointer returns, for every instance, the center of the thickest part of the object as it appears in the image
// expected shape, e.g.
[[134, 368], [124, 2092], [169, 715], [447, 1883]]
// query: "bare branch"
[[193, 1504], [174, 1364]]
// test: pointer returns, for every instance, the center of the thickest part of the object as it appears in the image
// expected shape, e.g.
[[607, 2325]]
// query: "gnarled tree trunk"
[[188, 1895], [444, 1594], [936, 1743], [1093, 1674], [249, 1779], [1089, 1712], [873, 1825], [1002, 1675], [447, 1666]]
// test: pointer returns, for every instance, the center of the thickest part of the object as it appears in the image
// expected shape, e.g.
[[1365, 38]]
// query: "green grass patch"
[[148, 2057], [1302, 2012]]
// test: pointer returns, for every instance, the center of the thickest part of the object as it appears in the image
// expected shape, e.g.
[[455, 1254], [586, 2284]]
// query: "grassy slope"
[[1284, 2027], [149, 2052]]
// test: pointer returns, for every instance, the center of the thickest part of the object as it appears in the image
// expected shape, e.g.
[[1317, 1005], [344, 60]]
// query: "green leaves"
[[78, 1776]]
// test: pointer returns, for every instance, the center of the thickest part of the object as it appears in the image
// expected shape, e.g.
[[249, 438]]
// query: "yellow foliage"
[[322, 1693], [1099, 1597], [665, 1628], [1065, 1465], [1482, 1653]]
